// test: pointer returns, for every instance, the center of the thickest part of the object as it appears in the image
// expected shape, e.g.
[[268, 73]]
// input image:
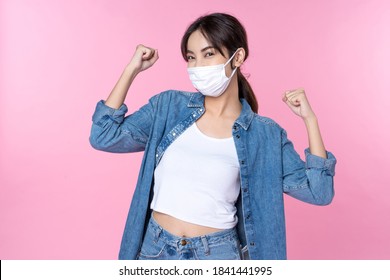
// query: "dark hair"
[[224, 31]]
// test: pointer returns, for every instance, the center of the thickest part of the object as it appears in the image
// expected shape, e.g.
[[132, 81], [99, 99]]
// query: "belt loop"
[[157, 234], [205, 245]]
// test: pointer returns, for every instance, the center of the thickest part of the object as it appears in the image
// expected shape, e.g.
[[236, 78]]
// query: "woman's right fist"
[[143, 58]]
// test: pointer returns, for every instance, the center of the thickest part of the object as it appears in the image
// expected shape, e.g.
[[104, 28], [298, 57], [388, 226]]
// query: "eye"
[[208, 54], [190, 57]]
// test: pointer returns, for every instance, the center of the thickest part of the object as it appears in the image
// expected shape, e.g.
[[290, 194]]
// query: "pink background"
[[60, 199]]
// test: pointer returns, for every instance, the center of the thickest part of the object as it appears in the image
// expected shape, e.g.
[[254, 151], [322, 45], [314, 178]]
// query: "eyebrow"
[[202, 50]]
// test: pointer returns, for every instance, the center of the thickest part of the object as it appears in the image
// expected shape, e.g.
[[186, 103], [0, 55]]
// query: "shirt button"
[[235, 127], [183, 242], [238, 136], [252, 244], [174, 134], [156, 155]]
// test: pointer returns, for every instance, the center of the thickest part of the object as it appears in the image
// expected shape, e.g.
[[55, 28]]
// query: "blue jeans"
[[159, 244]]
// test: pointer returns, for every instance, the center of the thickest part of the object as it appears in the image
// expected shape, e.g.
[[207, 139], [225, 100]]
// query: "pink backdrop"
[[60, 199]]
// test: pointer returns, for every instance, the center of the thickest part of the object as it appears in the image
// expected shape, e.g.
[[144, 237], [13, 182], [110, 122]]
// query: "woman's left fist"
[[297, 101]]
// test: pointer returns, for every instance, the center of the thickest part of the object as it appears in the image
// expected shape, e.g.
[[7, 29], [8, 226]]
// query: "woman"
[[214, 172]]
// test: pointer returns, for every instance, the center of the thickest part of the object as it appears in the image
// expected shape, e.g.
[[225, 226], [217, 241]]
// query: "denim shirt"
[[269, 167]]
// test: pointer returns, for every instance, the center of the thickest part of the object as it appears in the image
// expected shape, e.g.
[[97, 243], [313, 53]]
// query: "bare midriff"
[[181, 228]]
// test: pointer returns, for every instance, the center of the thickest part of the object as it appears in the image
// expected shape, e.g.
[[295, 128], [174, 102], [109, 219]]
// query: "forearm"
[[316, 145], [119, 92]]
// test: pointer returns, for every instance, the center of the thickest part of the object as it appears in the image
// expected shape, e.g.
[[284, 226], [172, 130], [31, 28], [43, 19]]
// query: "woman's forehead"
[[197, 41]]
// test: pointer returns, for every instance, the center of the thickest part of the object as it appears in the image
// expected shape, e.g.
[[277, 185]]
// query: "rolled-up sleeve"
[[311, 180], [113, 132]]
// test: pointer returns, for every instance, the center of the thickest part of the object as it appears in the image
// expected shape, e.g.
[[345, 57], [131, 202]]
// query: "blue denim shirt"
[[269, 167]]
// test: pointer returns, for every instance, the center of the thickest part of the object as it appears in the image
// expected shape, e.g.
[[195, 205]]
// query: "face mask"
[[210, 80]]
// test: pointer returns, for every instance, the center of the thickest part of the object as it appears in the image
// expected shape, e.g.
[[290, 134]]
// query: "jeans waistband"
[[179, 241]]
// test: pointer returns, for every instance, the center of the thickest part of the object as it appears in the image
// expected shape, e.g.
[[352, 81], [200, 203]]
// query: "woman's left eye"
[[209, 54]]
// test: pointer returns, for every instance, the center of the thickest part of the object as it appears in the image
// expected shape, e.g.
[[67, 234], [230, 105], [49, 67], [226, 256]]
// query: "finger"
[[286, 95], [290, 105], [154, 58], [287, 100], [292, 91], [284, 98], [292, 95], [289, 95], [296, 95], [294, 100], [147, 54]]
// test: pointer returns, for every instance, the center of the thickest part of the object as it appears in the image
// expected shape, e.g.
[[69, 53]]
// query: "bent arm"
[[311, 180], [297, 101], [143, 58], [113, 132]]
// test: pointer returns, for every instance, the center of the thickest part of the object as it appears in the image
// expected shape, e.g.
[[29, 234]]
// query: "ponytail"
[[245, 91]]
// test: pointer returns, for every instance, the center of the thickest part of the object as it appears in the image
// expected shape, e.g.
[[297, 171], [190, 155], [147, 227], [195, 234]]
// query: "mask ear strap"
[[231, 58], [234, 71], [235, 68]]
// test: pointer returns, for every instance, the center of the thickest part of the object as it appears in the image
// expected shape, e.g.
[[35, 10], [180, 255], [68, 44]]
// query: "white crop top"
[[197, 180]]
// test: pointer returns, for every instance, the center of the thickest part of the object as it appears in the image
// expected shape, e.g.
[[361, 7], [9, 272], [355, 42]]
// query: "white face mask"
[[210, 80]]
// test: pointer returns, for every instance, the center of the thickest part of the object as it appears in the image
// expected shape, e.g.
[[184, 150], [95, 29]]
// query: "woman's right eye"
[[190, 57]]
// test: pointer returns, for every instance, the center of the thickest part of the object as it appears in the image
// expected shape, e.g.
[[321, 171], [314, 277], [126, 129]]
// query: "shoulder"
[[266, 122], [267, 127], [175, 98], [176, 94]]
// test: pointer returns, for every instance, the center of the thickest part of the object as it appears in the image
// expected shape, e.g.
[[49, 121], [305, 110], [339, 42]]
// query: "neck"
[[228, 104]]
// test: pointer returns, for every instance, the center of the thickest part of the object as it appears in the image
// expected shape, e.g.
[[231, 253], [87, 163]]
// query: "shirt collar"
[[246, 116], [244, 119], [196, 100]]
